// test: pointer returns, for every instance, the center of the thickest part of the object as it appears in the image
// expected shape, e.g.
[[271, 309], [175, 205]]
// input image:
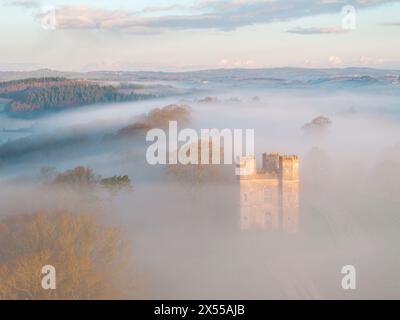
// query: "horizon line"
[[200, 70]]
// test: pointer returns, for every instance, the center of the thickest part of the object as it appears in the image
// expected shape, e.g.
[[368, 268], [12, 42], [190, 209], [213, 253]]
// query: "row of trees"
[[34, 95], [82, 176], [158, 118], [20, 85]]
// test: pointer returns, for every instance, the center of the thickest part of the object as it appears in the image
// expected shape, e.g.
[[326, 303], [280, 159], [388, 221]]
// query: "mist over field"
[[113, 114], [185, 240]]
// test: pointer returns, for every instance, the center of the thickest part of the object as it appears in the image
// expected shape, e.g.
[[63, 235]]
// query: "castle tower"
[[269, 199]]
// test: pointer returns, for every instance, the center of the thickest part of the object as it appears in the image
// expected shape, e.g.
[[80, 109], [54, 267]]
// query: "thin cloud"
[[164, 8], [371, 61], [318, 30], [391, 24], [237, 63], [334, 60], [206, 14], [30, 4]]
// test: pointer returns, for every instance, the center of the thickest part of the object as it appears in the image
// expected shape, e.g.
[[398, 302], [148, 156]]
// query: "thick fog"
[[185, 238]]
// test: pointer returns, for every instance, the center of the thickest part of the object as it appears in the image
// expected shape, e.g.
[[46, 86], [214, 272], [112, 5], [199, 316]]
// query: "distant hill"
[[37, 91], [273, 74], [34, 96], [41, 73]]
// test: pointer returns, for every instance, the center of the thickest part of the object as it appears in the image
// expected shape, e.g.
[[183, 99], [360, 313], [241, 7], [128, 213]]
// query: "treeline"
[[19, 85], [83, 177], [157, 118], [32, 96]]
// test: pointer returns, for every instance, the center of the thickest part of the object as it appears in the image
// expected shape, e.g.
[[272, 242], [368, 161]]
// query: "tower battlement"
[[274, 166]]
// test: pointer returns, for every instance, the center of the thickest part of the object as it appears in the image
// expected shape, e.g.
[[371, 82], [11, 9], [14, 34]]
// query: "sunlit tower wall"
[[289, 179], [259, 198]]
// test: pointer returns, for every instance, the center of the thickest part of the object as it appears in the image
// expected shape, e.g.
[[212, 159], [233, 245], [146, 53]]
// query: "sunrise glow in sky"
[[188, 35]]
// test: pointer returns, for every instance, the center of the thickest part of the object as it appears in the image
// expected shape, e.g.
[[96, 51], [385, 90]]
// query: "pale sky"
[[184, 35]]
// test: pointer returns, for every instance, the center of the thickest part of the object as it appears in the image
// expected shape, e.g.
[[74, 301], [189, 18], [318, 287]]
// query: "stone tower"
[[269, 199]]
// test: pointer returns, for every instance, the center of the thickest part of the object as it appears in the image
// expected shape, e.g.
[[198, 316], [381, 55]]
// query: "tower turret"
[[289, 167], [270, 162]]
